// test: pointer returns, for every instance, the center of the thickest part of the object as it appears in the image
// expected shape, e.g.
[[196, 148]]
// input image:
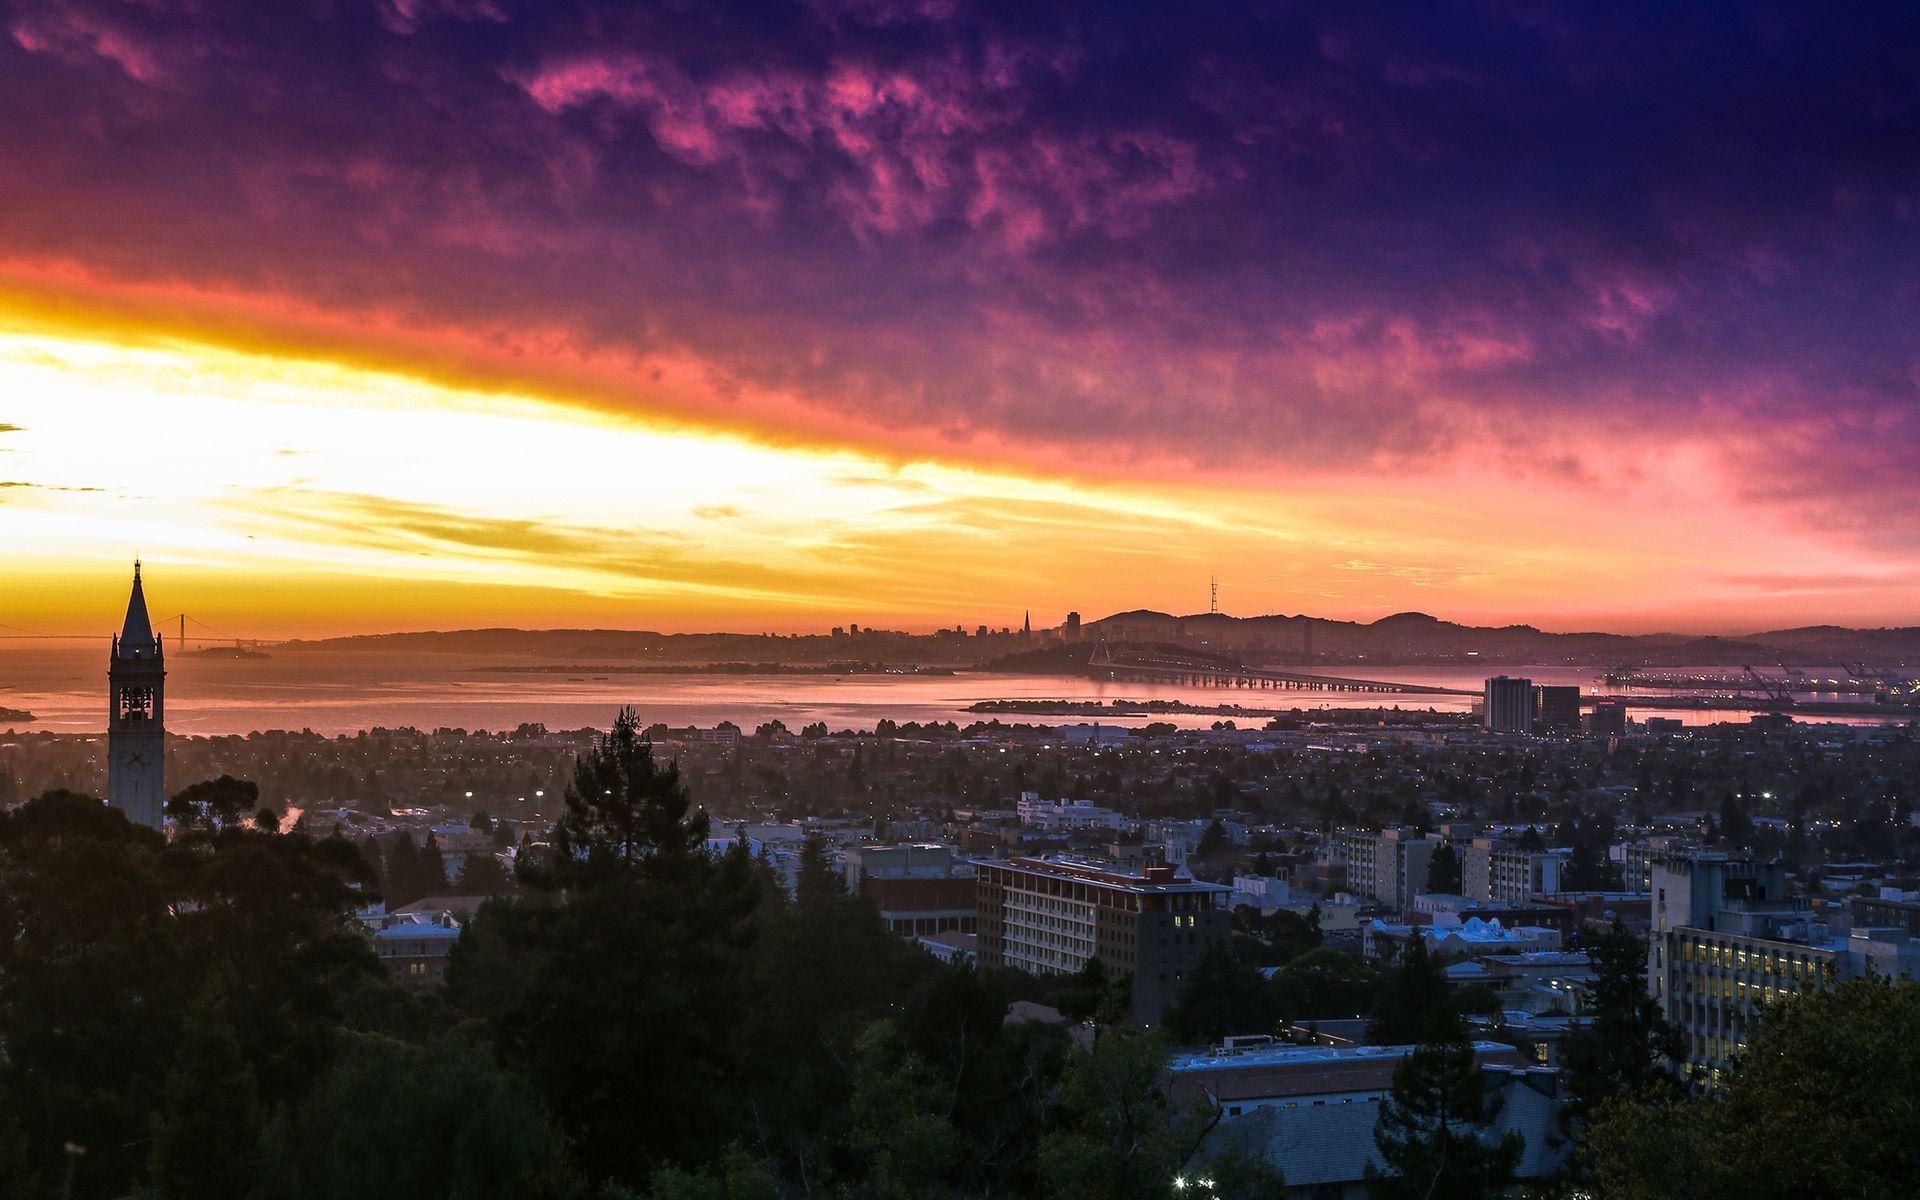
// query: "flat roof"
[[1104, 874], [1283, 1055]]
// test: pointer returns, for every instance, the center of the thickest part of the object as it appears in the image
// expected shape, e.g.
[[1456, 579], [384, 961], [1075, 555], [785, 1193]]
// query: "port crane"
[[1779, 692]]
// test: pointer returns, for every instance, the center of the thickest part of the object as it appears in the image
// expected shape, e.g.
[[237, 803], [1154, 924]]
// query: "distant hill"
[[1416, 635], [1402, 637]]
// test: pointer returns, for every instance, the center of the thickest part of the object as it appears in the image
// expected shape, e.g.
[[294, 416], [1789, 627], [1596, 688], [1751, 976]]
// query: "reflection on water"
[[342, 691]]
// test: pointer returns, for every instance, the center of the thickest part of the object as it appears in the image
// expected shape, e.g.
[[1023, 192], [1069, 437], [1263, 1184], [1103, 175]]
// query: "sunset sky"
[[432, 313]]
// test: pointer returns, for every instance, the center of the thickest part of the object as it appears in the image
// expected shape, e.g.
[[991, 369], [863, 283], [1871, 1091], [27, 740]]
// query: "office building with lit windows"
[[1052, 915], [1507, 706], [1727, 939]]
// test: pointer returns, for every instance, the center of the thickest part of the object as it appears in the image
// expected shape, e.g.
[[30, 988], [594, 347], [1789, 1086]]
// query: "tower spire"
[[136, 632]]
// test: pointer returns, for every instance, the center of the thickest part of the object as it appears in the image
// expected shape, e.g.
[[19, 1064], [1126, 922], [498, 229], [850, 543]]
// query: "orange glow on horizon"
[[288, 474]]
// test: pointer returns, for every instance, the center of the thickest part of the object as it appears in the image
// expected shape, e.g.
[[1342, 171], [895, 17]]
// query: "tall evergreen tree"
[[1432, 1131], [1626, 1049], [1443, 870], [1414, 1005], [206, 1134], [626, 813]]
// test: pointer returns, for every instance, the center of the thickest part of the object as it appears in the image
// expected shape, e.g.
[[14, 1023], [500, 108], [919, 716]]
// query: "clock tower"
[[136, 683]]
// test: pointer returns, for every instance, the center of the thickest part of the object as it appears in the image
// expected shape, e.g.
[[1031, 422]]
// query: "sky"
[[431, 313]]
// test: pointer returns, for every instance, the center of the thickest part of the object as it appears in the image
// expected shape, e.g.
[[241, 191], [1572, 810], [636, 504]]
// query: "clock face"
[[133, 758]]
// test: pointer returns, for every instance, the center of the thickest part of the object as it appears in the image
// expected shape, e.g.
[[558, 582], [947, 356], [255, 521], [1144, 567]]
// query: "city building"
[[1637, 858], [414, 951], [1556, 709], [1245, 1073], [1310, 1111], [1390, 866], [1071, 630], [1056, 815], [1497, 871], [1447, 936], [1727, 937], [1508, 705], [953, 947], [1050, 916], [136, 717], [1607, 718]]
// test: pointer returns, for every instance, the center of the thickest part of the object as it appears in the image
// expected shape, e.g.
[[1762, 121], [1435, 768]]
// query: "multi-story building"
[[1727, 938], [1390, 866], [1508, 705], [415, 950], [1351, 859], [1497, 870], [1608, 718], [1057, 815], [1636, 860], [1400, 861], [1556, 709], [1493, 871], [919, 888], [1891, 909], [1051, 916]]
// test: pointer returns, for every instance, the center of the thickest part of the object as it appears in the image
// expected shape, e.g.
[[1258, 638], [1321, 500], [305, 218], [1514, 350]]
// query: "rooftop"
[[1106, 874], [1283, 1055]]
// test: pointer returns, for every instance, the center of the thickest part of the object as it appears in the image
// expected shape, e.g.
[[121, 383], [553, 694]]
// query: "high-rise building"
[[1556, 709], [1496, 871], [1051, 916], [1071, 630], [1608, 719], [136, 730], [1390, 866], [1509, 705]]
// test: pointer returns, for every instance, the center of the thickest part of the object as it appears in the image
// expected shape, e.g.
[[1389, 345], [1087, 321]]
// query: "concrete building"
[[953, 948], [1449, 937], [1389, 866], [1310, 1111], [1608, 718], [1050, 916], [136, 717], [1727, 937], [414, 951], [1508, 705], [1637, 858], [1556, 709], [920, 888], [1055, 816], [1496, 871]]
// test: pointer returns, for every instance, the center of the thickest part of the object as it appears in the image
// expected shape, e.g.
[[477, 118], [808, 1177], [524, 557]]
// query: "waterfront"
[[343, 691]]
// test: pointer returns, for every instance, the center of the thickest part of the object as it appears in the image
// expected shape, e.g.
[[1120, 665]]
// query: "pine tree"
[[1414, 1005], [206, 1134], [816, 884], [482, 875], [1443, 870], [1432, 1130], [626, 813], [1624, 1051]]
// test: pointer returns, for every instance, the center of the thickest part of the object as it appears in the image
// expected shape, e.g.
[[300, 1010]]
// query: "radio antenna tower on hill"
[[1213, 597]]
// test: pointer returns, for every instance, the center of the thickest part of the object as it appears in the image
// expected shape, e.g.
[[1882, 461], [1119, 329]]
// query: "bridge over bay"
[[1156, 665]]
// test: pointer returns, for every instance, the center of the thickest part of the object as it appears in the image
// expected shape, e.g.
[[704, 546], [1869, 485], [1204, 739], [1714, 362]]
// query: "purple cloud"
[[1318, 236]]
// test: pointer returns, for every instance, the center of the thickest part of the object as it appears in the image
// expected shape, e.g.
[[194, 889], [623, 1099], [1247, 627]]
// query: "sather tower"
[[136, 683]]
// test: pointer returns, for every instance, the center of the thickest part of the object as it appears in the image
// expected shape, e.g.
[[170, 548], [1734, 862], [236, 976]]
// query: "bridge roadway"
[[1215, 675]]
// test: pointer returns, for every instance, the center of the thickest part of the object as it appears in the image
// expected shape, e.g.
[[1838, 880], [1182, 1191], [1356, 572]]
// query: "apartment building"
[[1390, 866], [1051, 915], [1496, 871]]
